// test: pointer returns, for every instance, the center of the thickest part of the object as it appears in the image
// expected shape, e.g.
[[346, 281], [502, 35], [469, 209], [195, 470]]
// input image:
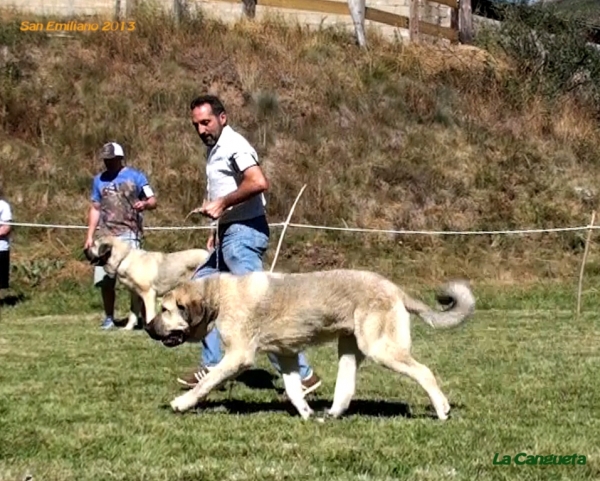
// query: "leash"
[[285, 226], [215, 234]]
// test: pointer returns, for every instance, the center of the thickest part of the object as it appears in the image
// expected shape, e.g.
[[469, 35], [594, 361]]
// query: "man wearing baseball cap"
[[120, 195]]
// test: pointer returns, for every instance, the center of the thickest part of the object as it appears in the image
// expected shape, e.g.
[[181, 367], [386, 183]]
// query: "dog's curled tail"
[[457, 299]]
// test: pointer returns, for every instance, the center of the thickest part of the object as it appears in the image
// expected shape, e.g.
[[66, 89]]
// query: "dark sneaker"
[[190, 380], [311, 383], [193, 378]]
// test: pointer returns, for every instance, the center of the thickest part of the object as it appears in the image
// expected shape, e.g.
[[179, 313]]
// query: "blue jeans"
[[241, 248]]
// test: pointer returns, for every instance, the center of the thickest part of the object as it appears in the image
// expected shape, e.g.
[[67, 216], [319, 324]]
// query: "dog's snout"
[[150, 328]]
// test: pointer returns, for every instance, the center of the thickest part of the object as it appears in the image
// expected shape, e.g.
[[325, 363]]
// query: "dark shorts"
[[4, 269]]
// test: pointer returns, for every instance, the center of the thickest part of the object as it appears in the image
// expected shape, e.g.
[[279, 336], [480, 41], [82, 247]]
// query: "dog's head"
[[98, 253], [105, 250], [185, 315]]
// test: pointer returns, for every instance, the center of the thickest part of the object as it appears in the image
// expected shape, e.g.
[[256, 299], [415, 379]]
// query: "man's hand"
[[213, 209], [140, 205], [212, 242], [253, 183], [88, 242]]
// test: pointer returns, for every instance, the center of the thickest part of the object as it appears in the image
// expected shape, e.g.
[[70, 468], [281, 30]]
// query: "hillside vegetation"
[[417, 137], [587, 9]]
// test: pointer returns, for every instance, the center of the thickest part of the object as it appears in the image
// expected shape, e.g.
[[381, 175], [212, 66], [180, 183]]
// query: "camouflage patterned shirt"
[[116, 195]]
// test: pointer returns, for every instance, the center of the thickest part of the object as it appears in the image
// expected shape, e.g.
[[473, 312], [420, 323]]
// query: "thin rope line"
[[342, 229], [423, 232]]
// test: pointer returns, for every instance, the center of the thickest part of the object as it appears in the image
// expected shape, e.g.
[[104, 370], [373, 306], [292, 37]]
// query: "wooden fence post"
[[249, 8], [180, 10], [465, 21], [413, 22], [585, 254], [454, 19], [420, 26], [130, 8]]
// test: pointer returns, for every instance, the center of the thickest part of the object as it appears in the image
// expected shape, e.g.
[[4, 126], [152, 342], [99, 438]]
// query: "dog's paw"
[[183, 403], [306, 414], [131, 323], [442, 407], [444, 412], [324, 416], [334, 412]]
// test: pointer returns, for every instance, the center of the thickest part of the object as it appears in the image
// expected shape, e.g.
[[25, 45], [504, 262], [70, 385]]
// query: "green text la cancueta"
[[524, 459]]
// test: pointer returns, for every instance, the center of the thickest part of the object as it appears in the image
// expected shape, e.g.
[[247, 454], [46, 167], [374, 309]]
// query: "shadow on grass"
[[121, 322], [259, 379], [262, 379], [358, 407], [11, 300]]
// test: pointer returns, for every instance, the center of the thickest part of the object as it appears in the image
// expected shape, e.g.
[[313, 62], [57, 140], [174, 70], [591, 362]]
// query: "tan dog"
[[284, 313], [149, 274]]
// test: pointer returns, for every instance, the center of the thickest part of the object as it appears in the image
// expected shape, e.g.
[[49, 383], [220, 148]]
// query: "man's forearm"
[[93, 219], [151, 203], [4, 230], [245, 191]]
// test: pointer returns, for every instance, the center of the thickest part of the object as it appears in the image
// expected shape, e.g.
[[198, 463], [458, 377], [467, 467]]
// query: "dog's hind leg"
[[134, 311], [401, 361], [350, 358], [230, 366], [290, 371]]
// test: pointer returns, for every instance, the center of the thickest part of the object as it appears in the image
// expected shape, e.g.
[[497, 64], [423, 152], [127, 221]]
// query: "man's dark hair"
[[215, 103]]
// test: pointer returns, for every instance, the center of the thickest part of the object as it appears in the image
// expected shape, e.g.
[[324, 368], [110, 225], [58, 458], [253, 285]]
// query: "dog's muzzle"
[[174, 338], [92, 259], [171, 339], [88, 255]]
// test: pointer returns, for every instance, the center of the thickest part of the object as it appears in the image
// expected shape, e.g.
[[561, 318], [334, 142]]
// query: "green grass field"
[[80, 403]]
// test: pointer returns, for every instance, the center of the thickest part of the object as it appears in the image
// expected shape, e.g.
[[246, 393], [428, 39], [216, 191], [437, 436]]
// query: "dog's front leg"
[[149, 300], [230, 366], [350, 358]]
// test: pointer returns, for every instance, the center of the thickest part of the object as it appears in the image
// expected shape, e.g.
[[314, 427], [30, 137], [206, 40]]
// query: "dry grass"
[[588, 9], [402, 137]]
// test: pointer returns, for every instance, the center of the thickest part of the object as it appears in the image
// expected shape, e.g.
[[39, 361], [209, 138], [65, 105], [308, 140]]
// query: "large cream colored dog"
[[284, 313], [149, 274]]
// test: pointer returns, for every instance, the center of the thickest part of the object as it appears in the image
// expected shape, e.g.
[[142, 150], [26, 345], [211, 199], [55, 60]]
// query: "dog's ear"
[[189, 306], [193, 311]]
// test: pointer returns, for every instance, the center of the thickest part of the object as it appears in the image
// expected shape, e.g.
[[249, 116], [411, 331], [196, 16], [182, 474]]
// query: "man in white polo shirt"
[[235, 187]]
